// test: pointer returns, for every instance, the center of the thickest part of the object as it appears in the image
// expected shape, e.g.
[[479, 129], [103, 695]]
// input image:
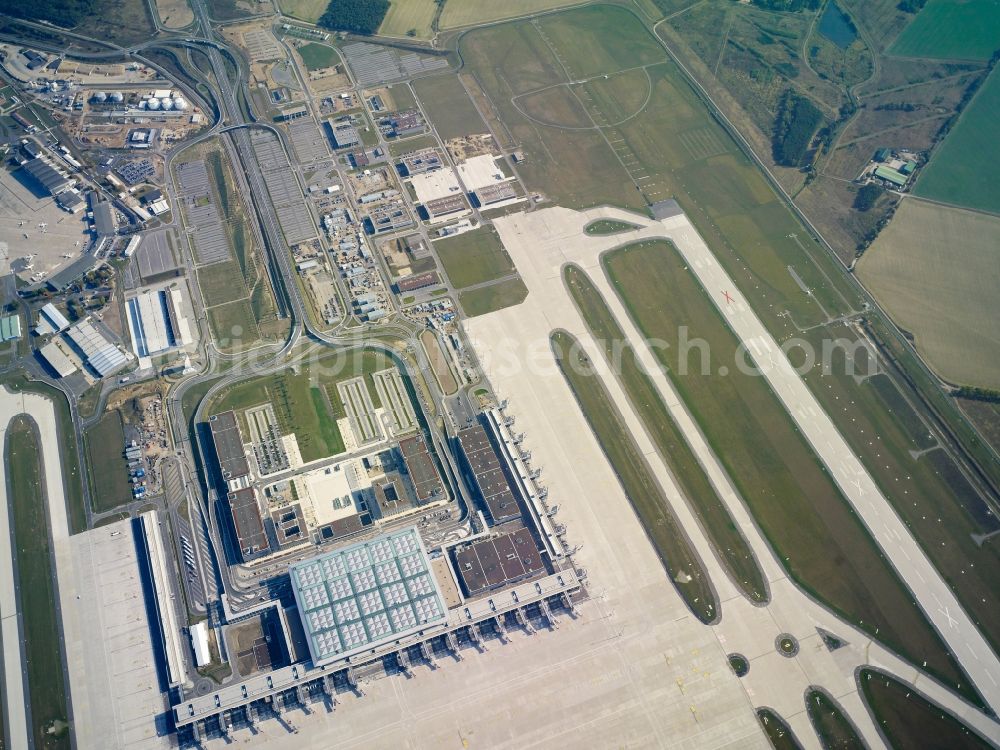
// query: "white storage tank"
[[117, 96], [153, 104], [180, 104], [166, 103], [100, 96]]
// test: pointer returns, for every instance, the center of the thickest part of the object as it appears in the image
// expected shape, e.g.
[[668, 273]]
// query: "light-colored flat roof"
[[365, 594], [55, 356], [480, 171], [441, 183]]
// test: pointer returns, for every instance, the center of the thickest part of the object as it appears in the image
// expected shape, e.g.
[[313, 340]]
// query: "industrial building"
[[50, 320], [364, 595], [50, 177], [491, 194], [70, 200], [56, 358], [157, 321], [96, 350], [441, 209], [417, 281], [10, 327], [103, 213], [344, 134], [892, 176], [248, 524], [420, 162]]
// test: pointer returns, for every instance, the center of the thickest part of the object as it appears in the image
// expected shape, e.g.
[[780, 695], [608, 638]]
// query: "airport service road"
[[541, 242]]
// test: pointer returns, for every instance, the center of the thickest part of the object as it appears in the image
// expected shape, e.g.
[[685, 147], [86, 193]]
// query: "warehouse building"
[[157, 321], [421, 469], [10, 328], [57, 359], [344, 135], [417, 281], [50, 320], [95, 349]]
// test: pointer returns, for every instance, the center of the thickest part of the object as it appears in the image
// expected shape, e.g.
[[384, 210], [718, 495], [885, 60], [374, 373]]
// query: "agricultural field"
[[109, 482], [732, 548], [643, 492], [909, 720], [952, 30], [934, 269], [42, 648], [799, 509], [957, 172], [493, 297], [123, 22], [449, 107], [407, 16], [305, 398], [317, 56], [473, 258], [458, 13], [304, 10]]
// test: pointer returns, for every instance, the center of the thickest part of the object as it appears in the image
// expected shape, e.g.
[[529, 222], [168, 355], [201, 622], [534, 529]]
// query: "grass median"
[[682, 564], [907, 719], [832, 727], [798, 507], [732, 548], [36, 588]]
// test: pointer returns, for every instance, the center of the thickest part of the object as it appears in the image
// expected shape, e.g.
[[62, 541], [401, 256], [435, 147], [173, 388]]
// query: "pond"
[[837, 26]]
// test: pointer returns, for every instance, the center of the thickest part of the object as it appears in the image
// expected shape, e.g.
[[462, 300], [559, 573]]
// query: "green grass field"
[[608, 226], [233, 325], [732, 548], [777, 730], [683, 567], [487, 299], [298, 400], [221, 283], [36, 592], [398, 148], [796, 504], [473, 257], [832, 727], [967, 30], [958, 172], [909, 720], [934, 270], [666, 135], [318, 56], [409, 15], [109, 483], [305, 10], [449, 107], [467, 12]]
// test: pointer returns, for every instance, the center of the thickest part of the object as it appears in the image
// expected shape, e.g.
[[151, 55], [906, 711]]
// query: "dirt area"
[[174, 14], [439, 362], [469, 146], [143, 420], [245, 641]]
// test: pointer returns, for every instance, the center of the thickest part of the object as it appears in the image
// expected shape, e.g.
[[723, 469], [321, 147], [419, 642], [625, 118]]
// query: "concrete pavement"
[[540, 243]]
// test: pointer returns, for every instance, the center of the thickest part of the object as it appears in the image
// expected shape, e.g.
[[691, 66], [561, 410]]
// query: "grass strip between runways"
[[641, 489], [734, 552], [36, 595], [796, 503]]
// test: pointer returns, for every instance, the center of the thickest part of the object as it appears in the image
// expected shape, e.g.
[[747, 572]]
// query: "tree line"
[[65, 13], [356, 16]]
